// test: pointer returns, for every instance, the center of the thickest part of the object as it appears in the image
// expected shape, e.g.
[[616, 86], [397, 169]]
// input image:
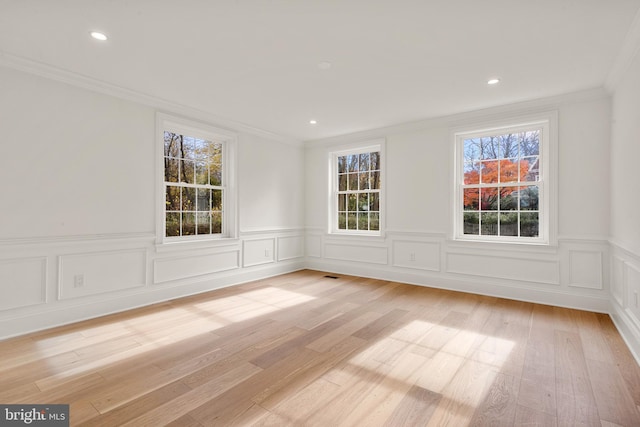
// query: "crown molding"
[[89, 83], [626, 55]]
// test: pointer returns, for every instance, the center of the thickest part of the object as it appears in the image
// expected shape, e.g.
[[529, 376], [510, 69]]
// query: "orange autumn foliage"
[[504, 171]]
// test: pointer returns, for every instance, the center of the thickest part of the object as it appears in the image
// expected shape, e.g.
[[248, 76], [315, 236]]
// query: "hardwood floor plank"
[[611, 395], [415, 408], [498, 409]]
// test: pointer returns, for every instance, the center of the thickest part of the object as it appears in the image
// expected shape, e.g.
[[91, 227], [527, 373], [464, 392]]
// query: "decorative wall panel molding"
[[357, 253], [23, 282], [418, 255], [617, 279], [521, 269], [100, 272], [585, 269], [258, 251], [176, 268], [290, 247]]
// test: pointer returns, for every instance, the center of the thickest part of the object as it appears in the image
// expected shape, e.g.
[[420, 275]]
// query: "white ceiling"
[[256, 61]]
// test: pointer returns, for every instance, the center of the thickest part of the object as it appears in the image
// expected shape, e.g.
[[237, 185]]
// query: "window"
[[502, 183], [356, 196], [197, 199]]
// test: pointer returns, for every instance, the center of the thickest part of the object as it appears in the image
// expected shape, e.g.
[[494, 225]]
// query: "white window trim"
[[548, 122], [167, 122], [332, 215]]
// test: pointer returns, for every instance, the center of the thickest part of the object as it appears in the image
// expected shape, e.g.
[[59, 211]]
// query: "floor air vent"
[[331, 277]]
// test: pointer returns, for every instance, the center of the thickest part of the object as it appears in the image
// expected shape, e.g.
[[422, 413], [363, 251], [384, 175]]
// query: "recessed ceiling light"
[[98, 36], [493, 81], [313, 122]]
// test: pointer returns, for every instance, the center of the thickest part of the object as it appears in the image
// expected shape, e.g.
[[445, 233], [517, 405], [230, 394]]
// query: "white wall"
[[418, 248], [625, 205], [78, 204]]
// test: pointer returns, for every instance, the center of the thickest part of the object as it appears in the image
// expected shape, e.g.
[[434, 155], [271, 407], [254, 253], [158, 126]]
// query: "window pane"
[[188, 148], [187, 168], [508, 145], [171, 145], [530, 169], [489, 223], [204, 222], [352, 221], [529, 224], [508, 171], [472, 149], [363, 221], [188, 223], [188, 199], [216, 200], [202, 173], [364, 180], [364, 162], [216, 222], [203, 149], [342, 182], [172, 226], [353, 181], [342, 164], [489, 172], [471, 222], [172, 195], [342, 202], [489, 199], [363, 202], [471, 172], [490, 148], [374, 221], [374, 180], [352, 163], [353, 202], [529, 198], [342, 220], [471, 198], [171, 170], [375, 160], [215, 173], [530, 144], [509, 198], [509, 224], [374, 201], [203, 199]]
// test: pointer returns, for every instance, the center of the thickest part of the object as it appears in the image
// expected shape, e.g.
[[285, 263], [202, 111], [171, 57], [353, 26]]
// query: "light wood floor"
[[305, 350]]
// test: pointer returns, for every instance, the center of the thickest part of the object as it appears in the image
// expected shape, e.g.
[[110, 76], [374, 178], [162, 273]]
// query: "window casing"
[[504, 183], [196, 181], [357, 190]]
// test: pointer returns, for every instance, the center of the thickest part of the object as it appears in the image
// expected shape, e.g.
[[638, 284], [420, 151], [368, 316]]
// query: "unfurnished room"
[[320, 213]]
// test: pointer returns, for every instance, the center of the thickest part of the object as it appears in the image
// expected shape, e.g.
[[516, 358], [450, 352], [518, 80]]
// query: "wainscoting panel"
[[418, 255], [632, 281], [23, 282], [290, 247], [358, 253], [176, 268], [527, 270], [617, 279], [96, 273], [585, 269], [258, 251], [313, 245]]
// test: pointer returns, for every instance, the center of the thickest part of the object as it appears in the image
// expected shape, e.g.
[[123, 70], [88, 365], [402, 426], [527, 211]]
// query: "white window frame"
[[191, 128], [548, 207], [356, 148]]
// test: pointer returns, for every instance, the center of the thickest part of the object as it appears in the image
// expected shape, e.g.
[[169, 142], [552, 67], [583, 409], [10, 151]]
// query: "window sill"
[[184, 245], [356, 236]]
